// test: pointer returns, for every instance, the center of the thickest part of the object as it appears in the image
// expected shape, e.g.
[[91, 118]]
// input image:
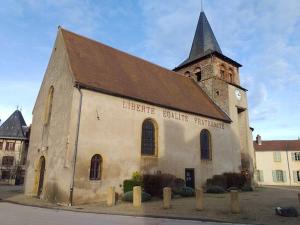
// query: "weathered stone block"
[[167, 195], [199, 199], [234, 202], [137, 196], [111, 196]]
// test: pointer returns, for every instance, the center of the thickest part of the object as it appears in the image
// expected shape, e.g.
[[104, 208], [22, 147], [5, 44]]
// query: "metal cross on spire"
[[201, 5]]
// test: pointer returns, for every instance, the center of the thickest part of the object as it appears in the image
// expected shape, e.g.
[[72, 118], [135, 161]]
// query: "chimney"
[[258, 140]]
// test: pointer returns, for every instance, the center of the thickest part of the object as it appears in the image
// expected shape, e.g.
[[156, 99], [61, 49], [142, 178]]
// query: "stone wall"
[[111, 126], [53, 141]]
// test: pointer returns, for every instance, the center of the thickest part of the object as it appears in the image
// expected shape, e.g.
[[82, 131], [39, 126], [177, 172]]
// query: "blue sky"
[[263, 35]]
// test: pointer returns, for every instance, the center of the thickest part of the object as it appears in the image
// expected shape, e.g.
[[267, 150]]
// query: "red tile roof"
[[278, 145], [107, 70]]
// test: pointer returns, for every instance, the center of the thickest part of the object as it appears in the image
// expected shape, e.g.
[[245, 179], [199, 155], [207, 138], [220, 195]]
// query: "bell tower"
[[218, 76]]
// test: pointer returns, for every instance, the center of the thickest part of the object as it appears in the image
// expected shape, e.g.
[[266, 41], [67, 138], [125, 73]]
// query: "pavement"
[[257, 207], [13, 214]]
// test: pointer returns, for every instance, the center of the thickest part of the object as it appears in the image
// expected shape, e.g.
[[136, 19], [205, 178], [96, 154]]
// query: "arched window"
[[231, 78], [96, 167], [205, 143], [198, 74], [48, 108], [187, 74], [148, 138], [222, 72]]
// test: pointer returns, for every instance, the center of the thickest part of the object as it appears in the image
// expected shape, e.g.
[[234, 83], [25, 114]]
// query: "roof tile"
[[14, 127], [278, 145], [111, 71]]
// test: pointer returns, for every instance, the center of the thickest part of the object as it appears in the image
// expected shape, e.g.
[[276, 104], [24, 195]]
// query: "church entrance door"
[[190, 178], [42, 173]]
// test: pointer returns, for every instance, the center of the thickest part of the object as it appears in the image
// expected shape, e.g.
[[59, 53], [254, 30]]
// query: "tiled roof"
[[107, 70], [278, 145], [14, 127]]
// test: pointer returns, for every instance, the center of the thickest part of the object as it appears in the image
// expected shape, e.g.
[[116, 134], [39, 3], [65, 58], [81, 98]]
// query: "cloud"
[[259, 34], [263, 35]]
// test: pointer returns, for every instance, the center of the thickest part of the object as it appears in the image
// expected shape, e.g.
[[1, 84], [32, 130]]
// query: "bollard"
[[234, 202], [137, 196], [199, 199], [167, 195], [299, 197], [111, 196]]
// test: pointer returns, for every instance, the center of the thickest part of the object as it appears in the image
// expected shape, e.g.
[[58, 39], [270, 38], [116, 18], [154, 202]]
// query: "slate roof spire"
[[204, 41], [14, 127]]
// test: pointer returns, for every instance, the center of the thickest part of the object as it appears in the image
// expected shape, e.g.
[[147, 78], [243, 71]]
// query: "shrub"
[[215, 189], [129, 184], [187, 192], [209, 182], [247, 188], [232, 189], [227, 180], [136, 180], [136, 176], [128, 196], [219, 180], [154, 184], [235, 180], [178, 185]]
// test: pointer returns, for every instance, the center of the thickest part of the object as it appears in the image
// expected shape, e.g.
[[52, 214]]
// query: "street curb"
[[123, 214]]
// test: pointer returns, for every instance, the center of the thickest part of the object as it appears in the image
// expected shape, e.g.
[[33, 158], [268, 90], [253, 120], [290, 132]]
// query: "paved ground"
[[12, 214], [256, 207]]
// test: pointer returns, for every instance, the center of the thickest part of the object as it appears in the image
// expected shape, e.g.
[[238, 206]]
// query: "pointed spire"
[[204, 41]]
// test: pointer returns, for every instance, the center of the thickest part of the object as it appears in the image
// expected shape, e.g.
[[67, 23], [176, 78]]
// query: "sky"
[[262, 35]]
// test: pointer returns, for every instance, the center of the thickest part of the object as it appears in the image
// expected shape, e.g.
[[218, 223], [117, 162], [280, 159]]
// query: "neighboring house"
[[277, 162], [102, 114], [14, 138]]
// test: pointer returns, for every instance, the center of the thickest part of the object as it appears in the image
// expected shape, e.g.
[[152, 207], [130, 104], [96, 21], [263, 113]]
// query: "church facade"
[[102, 114]]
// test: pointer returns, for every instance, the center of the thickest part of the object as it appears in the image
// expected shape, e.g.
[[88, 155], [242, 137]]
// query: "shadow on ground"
[[9, 191]]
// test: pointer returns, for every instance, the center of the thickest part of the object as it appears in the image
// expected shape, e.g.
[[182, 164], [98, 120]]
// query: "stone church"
[[102, 114]]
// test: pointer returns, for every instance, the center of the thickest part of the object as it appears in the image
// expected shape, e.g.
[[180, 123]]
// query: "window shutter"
[[261, 176], [295, 176], [274, 157], [293, 156], [284, 176], [277, 156], [274, 176]]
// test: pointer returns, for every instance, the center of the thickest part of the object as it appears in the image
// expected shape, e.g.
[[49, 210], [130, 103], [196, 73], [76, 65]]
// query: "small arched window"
[[96, 167], [198, 74], [205, 143], [148, 138], [222, 72], [187, 74], [231, 78], [48, 108]]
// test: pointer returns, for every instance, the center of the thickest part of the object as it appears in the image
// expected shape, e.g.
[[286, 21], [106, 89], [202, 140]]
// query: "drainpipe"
[[288, 162], [76, 147]]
